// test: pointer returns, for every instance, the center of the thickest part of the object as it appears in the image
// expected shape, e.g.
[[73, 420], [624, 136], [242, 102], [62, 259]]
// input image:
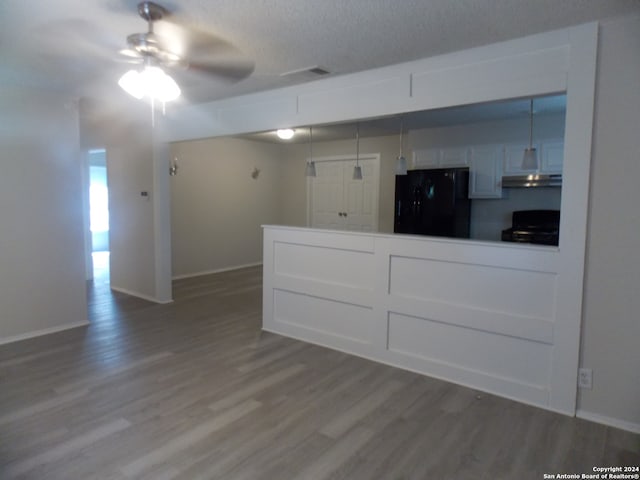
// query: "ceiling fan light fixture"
[[151, 82]]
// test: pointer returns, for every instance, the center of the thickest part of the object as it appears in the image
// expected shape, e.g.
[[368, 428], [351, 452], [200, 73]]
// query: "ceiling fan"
[[169, 44]]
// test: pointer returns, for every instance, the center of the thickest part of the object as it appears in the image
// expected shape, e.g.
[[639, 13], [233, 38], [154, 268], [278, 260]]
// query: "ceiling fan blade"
[[202, 51], [230, 71], [130, 53]]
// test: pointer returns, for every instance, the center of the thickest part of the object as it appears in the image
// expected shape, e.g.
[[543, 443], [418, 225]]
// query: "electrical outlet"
[[585, 378]]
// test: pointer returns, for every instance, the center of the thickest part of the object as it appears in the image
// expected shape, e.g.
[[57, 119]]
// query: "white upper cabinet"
[[454, 157], [513, 154], [449, 157], [550, 155], [489, 163], [427, 158], [485, 179]]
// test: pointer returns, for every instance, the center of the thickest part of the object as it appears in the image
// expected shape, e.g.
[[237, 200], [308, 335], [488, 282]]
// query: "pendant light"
[[401, 162], [530, 157], [310, 171], [357, 170]]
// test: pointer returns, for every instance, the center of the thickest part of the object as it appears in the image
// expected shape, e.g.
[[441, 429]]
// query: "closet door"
[[361, 197], [336, 201], [327, 189]]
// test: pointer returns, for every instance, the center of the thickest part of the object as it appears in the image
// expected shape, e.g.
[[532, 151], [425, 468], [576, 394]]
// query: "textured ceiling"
[[71, 45]]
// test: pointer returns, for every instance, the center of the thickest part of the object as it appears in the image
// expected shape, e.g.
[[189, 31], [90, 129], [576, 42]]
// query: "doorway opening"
[[99, 216]]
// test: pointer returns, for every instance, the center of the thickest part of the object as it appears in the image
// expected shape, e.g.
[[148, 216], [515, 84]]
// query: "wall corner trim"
[[141, 295]]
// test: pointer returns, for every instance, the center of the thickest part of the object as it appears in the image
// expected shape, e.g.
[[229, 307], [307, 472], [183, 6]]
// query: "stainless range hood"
[[530, 181]]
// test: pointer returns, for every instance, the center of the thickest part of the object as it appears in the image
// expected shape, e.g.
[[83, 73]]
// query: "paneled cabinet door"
[[449, 157], [513, 154], [427, 158], [552, 154], [338, 202], [453, 157], [485, 172]]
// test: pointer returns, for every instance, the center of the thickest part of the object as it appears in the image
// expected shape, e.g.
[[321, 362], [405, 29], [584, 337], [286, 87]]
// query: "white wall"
[[125, 131], [217, 208], [130, 172], [42, 278], [515, 130], [611, 328]]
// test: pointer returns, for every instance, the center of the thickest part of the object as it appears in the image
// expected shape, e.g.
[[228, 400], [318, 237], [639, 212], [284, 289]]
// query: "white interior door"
[[336, 201], [326, 196]]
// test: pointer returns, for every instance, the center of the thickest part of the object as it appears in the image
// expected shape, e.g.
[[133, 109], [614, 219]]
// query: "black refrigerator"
[[433, 202]]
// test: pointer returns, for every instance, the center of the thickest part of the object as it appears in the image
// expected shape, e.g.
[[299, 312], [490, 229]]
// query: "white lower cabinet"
[[485, 171]]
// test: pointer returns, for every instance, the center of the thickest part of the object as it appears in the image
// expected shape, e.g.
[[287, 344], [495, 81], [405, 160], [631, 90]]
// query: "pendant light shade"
[[310, 170], [357, 170], [401, 162], [530, 157]]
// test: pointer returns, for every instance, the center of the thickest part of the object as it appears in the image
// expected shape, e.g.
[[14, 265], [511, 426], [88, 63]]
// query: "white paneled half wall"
[[479, 314]]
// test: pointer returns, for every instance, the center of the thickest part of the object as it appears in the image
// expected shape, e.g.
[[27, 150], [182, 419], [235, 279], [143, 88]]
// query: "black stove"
[[541, 227]]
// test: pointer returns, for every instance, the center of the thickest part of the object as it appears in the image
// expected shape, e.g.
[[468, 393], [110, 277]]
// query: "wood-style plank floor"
[[195, 390]]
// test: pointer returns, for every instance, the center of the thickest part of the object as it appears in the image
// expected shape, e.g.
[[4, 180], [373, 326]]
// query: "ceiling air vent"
[[307, 73]]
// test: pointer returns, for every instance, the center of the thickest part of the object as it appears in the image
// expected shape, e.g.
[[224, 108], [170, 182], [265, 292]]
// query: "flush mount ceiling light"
[[310, 170], [357, 170], [285, 133], [401, 162], [530, 157]]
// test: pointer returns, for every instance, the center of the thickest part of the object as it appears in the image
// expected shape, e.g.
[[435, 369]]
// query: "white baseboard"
[[218, 270], [140, 295], [46, 331], [609, 421]]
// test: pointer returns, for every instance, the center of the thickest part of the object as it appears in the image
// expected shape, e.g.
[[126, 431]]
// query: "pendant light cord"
[[531, 124], [310, 143], [401, 128], [357, 143]]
